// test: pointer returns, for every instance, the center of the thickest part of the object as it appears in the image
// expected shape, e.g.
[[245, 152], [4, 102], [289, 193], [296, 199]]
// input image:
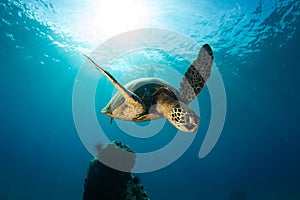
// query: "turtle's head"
[[179, 115], [184, 118]]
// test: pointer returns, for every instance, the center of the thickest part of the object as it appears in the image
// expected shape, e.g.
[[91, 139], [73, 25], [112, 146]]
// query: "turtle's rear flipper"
[[196, 75]]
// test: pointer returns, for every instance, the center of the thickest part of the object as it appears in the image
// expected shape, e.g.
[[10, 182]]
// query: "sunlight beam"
[[111, 17]]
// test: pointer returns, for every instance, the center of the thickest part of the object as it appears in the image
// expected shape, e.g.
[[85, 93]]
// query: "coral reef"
[[104, 182]]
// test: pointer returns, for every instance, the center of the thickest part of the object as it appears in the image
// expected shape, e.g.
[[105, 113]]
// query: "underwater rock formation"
[[105, 183]]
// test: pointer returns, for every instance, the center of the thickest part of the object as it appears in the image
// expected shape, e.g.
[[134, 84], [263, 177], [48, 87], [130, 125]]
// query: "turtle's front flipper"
[[127, 94], [178, 114], [196, 75]]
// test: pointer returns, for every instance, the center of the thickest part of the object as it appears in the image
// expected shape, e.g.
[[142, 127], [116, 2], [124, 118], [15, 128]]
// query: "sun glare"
[[110, 17]]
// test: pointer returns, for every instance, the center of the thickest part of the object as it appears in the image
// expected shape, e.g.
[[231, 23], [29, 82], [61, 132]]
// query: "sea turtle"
[[152, 98]]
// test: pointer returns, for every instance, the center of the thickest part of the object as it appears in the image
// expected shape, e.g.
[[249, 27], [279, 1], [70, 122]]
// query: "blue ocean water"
[[256, 46]]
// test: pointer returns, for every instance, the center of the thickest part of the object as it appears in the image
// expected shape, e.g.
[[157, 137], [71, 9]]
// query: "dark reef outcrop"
[[105, 183]]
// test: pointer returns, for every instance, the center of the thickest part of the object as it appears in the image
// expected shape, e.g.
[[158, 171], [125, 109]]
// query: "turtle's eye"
[[191, 120]]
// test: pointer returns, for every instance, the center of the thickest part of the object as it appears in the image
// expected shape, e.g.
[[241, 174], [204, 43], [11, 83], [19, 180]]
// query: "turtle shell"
[[147, 89]]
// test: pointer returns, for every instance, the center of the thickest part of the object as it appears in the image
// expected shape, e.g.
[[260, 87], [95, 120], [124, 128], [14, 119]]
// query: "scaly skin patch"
[[196, 75], [178, 113]]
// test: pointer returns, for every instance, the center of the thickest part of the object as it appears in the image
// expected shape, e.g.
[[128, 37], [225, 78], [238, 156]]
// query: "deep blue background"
[[258, 153]]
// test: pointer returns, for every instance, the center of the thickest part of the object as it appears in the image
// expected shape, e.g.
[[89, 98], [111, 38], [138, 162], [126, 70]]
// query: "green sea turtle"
[[152, 98]]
